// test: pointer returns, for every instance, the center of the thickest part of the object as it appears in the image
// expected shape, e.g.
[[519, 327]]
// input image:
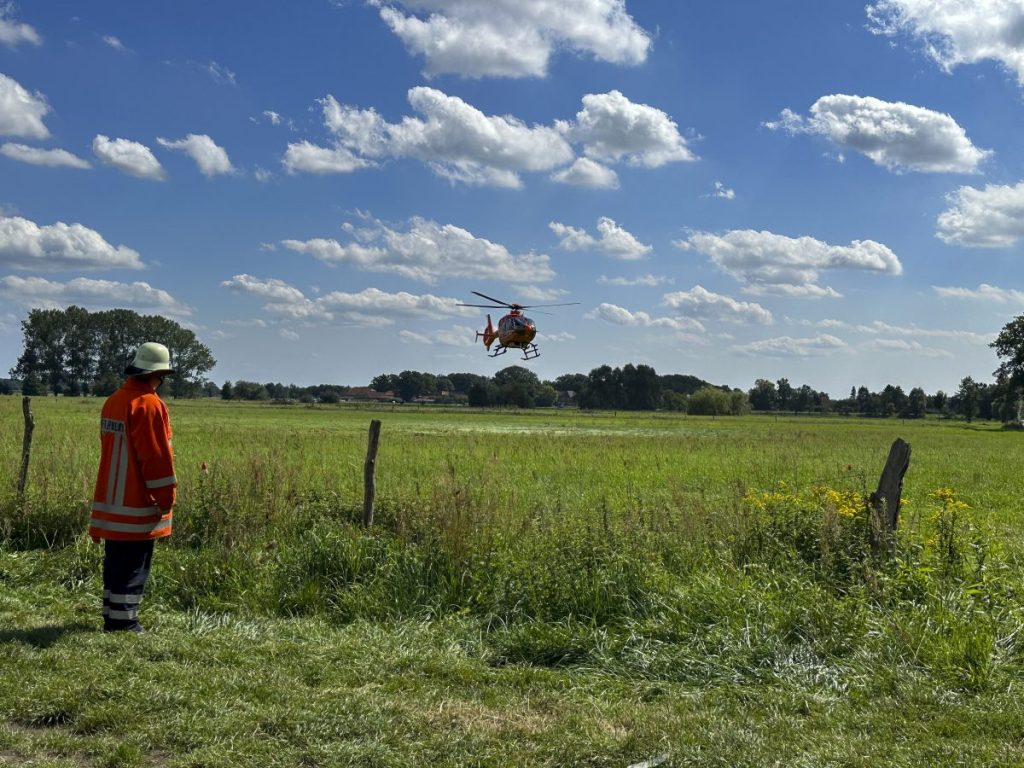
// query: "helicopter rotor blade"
[[484, 306], [491, 298], [532, 306]]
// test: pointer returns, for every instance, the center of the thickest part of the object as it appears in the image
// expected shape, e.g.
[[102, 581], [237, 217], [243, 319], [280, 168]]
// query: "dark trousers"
[[125, 571]]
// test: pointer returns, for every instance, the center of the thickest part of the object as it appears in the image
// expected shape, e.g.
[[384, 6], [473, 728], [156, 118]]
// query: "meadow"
[[539, 588]]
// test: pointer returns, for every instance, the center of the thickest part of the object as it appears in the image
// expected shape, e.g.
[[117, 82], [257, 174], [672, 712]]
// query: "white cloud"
[[211, 159], [272, 116], [955, 32], [587, 173], [309, 158], [877, 327], [460, 143], [984, 292], [37, 292], [456, 140], [262, 175], [114, 43], [13, 32], [804, 291], [787, 346], [512, 38], [896, 136], [288, 334], [613, 240], [368, 307], [427, 251], [723, 192], [992, 217], [616, 315], [613, 128], [648, 280], [535, 293], [702, 303], [53, 158], [26, 245], [21, 112], [129, 157], [770, 263], [907, 347]]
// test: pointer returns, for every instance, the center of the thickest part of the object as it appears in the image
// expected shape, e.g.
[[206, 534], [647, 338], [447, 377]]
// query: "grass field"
[[540, 588]]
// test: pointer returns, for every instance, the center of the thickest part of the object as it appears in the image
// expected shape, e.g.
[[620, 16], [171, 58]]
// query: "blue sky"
[[830, 192]]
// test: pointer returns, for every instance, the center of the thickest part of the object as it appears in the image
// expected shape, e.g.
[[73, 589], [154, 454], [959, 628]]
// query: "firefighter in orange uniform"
[[135, 487]]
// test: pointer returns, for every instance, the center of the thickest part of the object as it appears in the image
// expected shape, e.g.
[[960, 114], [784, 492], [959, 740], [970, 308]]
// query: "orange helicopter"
[[514, 330]]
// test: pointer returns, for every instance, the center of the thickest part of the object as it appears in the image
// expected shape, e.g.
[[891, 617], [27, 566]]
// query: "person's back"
[[136, 467], [135, 485]]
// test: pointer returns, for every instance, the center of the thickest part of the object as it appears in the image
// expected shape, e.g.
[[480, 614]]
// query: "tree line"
[[76, 352]]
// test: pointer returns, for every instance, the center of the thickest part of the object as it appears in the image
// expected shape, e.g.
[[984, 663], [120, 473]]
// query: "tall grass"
[[654, 546]]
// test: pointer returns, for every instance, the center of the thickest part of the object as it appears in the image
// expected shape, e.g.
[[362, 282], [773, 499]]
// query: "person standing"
[[135, 487]]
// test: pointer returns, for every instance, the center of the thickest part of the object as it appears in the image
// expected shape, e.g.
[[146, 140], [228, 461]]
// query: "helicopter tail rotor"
[[488, 334]]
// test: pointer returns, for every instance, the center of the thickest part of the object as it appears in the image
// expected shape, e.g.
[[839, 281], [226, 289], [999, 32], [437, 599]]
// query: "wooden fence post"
[[26, 446], [885, 502], [370, 473]]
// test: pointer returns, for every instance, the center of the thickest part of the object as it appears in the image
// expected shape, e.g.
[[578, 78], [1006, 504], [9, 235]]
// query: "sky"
[[827, 192]]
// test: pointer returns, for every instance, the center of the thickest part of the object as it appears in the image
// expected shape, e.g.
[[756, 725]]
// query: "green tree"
[[917, 402], [386, 382], [763, 396], [968, 398], [784, 392], [641, 388], [710, 401], [227, 392]]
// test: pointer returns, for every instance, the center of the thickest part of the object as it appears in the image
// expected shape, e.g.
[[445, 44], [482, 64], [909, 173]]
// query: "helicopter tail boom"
[[488, 334]]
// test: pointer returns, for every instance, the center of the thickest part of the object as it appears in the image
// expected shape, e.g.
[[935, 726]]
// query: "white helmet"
[[150, 357]]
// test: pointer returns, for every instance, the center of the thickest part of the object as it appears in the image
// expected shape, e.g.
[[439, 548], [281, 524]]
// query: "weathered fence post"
[[26, 446], [885, 502], [370, 473]]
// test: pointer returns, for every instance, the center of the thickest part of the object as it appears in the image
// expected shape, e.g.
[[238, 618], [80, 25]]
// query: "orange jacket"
[[135, 486]]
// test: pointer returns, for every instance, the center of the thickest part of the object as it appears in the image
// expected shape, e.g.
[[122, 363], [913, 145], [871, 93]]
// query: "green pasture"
[[540, 588]]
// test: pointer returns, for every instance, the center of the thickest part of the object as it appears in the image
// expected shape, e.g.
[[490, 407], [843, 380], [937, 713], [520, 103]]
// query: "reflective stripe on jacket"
[[135, 486]]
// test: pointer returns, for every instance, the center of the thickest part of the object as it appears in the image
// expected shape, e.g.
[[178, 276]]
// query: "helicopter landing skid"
[[498, 351], [530, 352]]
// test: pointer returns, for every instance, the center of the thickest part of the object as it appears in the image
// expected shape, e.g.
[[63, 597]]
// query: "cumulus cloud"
[[128, 157], [512, 38], [648, 280], [305, 157], [54, 158], [26, 245], [612, 240], [897, 136], [38, 292], [954, 32], [616, 315], [21, 112], [211, 159], [460, 143], [768, 263], [984, 292], [613, 128], [13, 32], [587, 173], [702, 303], [992, 217], [787, 346], [370, 306], [426, 251]]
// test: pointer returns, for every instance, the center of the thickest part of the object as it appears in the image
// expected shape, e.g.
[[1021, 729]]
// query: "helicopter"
[[514, 330]]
